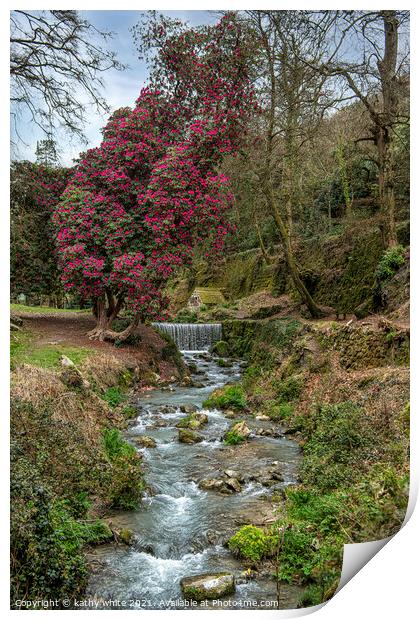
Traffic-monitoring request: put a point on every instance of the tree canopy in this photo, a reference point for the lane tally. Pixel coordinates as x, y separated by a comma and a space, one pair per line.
138, 204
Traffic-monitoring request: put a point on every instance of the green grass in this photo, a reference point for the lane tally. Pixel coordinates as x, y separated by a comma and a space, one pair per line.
230, 396
232, 438
114, 396
24, 350
17, 308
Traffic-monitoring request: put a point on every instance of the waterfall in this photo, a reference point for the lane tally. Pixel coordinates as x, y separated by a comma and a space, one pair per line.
192, 336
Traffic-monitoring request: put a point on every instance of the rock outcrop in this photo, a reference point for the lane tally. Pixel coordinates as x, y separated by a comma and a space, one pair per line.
207, 586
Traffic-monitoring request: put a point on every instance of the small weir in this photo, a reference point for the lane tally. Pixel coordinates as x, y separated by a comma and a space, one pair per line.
192, 336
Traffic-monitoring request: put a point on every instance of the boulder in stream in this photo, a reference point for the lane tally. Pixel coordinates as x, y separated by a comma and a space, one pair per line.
188, 408
207, 586
145, 441
225, 485
193, 421
126, 536
234, 484
237, 433
186, 435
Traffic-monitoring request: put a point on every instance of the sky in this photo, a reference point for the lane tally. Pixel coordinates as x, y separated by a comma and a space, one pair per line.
121, 87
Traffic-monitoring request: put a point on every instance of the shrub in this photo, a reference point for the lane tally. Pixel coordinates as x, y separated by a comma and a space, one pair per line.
297, 554
129, 411
185, 315
390, 262
252, 543
220, 348
125, 477
230, 396
46, 548
339, 441
171, 353
232, 438
251, 375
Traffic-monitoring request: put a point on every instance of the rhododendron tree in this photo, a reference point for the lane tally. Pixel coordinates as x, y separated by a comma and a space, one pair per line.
137, 205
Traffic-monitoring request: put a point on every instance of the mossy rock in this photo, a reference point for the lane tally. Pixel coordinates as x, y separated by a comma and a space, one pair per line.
238, 433
220, 348
366, 348
125, 536
145, 441
208, 586
193, 421
185, 435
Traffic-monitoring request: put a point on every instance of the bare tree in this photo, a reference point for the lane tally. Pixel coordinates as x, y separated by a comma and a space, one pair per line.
365, 52
293, 99
56, 60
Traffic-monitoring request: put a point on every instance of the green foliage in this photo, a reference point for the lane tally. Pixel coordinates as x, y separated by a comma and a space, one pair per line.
125, 477
47, 558
288, 389
34, 191
220, 348
338, 441
312, 595
129, 412
185, 315
171, 353
114, 396
259, 342
390, 262
228, 397
251, 375
297, 554
232, 438
53, 472
18, 308
355, 489
283, 411
115, 444
252, 544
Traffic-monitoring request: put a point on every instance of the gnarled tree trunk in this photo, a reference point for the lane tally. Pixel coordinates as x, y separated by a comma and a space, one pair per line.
105, 310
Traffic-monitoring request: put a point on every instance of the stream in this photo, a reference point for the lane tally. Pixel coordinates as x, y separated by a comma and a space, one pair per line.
179, 528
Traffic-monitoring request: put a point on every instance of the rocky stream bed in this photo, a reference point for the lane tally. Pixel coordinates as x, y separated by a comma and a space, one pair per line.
198, 495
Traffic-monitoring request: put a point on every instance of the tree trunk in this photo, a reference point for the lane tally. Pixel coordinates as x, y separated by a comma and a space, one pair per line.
313, 308
104, 318
386, 190
260, 239
267, 184
384, 136
345, 185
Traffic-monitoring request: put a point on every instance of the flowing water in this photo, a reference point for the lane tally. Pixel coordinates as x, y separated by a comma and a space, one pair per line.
179, 528
192, 336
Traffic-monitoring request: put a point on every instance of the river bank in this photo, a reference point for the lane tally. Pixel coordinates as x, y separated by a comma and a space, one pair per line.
70, 401
256, 506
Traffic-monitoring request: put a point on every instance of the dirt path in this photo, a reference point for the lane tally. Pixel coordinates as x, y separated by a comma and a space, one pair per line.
70, 328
